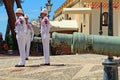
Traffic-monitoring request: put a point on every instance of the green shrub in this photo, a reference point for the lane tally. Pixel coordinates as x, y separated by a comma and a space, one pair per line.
9, 41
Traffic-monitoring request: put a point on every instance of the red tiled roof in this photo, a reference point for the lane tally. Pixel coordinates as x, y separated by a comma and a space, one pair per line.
96, 5
89, 1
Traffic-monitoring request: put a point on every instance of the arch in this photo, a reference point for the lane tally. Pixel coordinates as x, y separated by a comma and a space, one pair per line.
105, 19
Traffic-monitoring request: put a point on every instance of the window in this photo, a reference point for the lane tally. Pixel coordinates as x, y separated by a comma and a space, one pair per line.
105, 19
69, 18
66, 17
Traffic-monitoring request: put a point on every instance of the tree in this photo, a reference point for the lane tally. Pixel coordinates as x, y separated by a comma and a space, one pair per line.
11, 15
18, 3
11, 18
9, 6
8, 26
1, 2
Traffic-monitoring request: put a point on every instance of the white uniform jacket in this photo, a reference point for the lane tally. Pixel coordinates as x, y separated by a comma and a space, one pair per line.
21, 28
45, 27
30, 31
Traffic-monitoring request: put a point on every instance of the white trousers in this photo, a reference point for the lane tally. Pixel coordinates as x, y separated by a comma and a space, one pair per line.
28, 43
46, 50
21, 46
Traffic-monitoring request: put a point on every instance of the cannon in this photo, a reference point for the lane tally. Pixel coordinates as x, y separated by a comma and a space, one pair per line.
96, 44
81, 43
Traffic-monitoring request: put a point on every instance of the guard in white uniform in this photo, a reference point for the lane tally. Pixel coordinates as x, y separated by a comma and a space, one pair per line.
29, 36
21, 31
45, 27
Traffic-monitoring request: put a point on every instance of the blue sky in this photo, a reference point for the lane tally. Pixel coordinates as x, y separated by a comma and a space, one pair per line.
30, 7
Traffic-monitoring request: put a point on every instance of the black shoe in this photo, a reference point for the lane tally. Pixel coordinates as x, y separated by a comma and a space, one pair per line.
46, 64
26, 59
19, 65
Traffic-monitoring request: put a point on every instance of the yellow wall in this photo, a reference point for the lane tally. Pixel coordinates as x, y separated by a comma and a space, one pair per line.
96, 23
115, 23
83, 20
90, 23
86, 24
119, 22
61, 16
77, 17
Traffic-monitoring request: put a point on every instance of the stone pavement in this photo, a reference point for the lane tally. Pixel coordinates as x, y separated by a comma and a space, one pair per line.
63, 67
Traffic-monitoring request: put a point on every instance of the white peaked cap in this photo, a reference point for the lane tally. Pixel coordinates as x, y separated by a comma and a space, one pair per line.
44, 11
25, 16
19, 10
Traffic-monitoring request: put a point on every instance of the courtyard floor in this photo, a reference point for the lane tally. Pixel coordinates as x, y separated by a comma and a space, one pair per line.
63, 67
